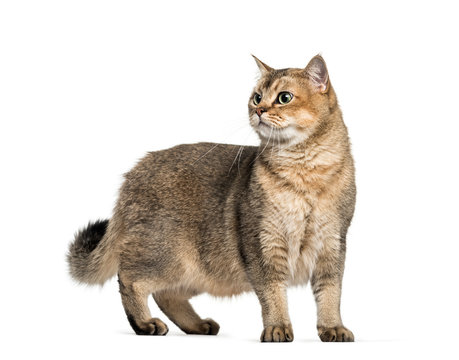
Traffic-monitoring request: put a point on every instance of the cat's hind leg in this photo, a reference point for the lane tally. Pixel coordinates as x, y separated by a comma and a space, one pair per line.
179, 310
134, 296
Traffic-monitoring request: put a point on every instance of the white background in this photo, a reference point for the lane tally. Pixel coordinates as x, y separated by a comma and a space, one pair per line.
87, 87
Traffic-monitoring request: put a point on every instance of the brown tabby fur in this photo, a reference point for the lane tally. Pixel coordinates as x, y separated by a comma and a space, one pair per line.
188, 221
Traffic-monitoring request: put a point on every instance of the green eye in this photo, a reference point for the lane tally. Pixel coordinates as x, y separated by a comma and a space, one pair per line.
284, 97
256, 99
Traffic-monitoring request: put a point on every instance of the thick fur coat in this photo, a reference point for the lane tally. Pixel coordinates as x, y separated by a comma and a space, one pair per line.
188, 221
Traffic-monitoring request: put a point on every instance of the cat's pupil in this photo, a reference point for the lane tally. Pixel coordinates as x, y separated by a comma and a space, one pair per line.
285, 97
257, 99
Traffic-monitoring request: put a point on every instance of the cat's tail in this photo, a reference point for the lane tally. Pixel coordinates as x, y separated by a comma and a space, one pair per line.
92, 255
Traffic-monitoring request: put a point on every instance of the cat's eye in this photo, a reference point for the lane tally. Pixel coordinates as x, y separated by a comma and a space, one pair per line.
284, 97
256, 99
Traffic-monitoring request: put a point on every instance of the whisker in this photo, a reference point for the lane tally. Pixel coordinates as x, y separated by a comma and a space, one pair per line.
240, 154
239, 161
272, 150
208, 151
237, 154
213, 147
278, 145
267, 142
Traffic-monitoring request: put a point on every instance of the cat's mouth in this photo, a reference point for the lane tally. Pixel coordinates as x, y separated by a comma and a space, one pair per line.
269, 130
263, 123
274, 131
270, 125
265, 129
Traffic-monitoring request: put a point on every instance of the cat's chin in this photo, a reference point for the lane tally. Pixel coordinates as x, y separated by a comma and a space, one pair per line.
288, 135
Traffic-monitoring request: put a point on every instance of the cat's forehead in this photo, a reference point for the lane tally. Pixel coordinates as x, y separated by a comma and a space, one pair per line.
280, 79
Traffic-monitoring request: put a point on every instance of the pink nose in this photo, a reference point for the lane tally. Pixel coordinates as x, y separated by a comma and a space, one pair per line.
260, 111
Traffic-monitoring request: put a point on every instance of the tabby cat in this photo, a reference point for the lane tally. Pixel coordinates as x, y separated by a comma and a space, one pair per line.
188, 220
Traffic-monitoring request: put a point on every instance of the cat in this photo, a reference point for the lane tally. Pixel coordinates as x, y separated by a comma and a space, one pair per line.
188, 222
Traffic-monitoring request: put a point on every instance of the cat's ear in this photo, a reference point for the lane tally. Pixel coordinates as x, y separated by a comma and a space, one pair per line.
317, 73
264, 69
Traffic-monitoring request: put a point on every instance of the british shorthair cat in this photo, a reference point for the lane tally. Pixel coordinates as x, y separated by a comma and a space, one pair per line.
189, 222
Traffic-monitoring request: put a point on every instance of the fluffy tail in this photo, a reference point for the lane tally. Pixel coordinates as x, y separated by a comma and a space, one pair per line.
92, 257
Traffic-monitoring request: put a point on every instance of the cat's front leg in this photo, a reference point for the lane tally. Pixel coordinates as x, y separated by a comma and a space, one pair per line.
266, 259
326, 286
276, 321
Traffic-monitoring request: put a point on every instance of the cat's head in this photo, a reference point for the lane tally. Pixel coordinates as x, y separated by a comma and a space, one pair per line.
289, 105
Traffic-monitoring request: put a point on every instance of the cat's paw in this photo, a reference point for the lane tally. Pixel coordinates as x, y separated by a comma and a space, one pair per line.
153, 326
281, 333
205, 327
337, 334
209, 327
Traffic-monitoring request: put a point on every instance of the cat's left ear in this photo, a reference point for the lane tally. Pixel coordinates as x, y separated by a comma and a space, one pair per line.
264, 69
317, 73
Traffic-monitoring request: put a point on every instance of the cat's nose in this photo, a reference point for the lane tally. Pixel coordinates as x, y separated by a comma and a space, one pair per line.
260, 111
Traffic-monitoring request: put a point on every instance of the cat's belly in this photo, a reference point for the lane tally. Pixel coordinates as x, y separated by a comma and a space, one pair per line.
227, 290
229, 280
214, 287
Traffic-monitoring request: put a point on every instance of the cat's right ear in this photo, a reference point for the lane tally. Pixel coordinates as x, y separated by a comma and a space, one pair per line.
264, 69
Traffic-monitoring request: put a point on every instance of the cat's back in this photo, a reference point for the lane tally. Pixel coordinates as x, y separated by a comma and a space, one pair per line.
186, 173
205, 160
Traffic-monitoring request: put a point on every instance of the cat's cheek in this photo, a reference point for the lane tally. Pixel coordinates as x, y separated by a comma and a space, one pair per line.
303, 119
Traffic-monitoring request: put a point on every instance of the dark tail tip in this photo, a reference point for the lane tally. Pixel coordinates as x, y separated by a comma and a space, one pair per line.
89, 255
87, 239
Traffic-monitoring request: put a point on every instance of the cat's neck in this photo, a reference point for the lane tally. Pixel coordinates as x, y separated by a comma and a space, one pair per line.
313, 161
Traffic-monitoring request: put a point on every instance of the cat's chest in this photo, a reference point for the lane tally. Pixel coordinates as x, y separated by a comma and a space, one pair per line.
296, 226
289, 212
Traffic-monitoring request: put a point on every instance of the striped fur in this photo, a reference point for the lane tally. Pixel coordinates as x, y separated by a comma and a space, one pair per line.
187, 221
